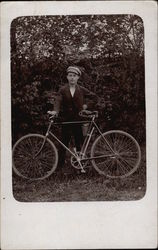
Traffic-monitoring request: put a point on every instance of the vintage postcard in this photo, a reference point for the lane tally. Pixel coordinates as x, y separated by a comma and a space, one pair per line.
78, 124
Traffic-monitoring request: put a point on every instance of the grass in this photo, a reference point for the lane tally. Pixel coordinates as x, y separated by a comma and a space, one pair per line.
69, 185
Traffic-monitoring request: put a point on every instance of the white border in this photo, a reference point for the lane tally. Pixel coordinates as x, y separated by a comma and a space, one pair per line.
80, 225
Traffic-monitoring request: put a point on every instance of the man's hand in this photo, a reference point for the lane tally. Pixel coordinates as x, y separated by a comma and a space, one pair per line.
53, 113
87, 112
84, 106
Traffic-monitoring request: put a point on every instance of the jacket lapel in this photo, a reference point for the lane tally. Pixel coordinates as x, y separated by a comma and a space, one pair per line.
77, 92
78, 98
67, 91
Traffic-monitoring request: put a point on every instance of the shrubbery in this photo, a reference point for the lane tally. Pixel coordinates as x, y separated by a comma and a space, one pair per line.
111, 61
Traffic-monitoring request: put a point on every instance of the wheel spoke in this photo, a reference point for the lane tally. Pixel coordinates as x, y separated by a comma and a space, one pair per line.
126, 158
126, 163
126, 146
124, 169
28, 164
104, 162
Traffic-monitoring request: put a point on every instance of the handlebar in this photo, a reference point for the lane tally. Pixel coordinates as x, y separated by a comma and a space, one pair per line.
88, 113
82, 113
51, 116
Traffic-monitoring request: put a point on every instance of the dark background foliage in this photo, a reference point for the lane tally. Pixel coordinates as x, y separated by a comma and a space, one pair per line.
109, 49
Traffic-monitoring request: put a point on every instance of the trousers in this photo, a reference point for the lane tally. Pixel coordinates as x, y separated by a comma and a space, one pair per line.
67, 131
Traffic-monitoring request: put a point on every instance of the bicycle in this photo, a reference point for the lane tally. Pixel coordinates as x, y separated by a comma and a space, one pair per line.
114, 154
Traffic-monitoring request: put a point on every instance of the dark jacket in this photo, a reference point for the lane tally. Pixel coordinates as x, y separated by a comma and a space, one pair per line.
68, 106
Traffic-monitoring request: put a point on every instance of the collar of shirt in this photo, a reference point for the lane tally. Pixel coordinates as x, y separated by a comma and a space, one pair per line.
72, 90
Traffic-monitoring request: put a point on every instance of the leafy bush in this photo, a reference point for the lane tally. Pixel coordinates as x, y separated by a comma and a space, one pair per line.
108, 49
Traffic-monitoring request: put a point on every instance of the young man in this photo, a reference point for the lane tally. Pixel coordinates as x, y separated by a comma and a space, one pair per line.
70, 102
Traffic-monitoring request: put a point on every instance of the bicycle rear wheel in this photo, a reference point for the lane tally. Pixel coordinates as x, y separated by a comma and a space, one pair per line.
118, 154
30, 164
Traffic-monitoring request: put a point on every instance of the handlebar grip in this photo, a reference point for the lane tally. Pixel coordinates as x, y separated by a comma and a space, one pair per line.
87, 113
52, 116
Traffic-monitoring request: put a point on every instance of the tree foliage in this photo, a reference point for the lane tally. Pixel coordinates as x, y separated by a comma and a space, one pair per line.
109, 49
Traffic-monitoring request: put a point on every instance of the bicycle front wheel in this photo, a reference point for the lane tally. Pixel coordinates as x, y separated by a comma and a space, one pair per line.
116, 154
30, 161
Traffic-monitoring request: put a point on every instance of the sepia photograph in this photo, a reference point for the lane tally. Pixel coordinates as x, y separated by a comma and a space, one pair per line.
78, 125
78, 108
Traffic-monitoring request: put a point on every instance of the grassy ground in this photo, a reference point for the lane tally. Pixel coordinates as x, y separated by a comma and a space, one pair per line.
69, 185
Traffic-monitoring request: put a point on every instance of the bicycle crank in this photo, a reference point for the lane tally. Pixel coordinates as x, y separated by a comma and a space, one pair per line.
76, 163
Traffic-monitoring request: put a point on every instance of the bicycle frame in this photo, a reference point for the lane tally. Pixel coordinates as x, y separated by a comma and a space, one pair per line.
79, 157
118, 151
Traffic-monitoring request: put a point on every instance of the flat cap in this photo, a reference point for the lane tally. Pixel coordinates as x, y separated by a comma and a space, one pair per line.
74, 69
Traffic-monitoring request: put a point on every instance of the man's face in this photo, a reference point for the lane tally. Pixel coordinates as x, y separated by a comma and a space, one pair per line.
72, 78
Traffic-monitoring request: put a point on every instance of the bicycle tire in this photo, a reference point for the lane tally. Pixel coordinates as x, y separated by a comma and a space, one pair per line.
26, 164
127, 155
